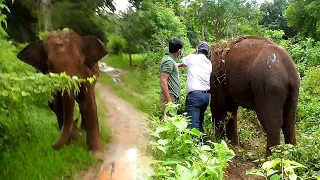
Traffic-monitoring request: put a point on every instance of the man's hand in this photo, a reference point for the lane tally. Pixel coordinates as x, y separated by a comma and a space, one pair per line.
180, 65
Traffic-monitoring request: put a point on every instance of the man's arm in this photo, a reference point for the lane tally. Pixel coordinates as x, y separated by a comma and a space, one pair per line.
164, 86
181, 65
185, 61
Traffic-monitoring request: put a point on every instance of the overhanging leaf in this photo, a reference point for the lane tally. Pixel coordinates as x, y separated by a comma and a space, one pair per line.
275, 177
183, 173
271, 171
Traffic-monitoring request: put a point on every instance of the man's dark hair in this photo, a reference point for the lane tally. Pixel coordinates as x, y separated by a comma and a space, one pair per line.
175, 44
203, 51
203, 48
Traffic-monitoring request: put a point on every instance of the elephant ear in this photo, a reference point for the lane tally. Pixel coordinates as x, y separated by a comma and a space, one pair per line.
35, 55
93, 50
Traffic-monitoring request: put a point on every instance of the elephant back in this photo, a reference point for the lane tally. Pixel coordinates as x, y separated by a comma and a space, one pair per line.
224, 51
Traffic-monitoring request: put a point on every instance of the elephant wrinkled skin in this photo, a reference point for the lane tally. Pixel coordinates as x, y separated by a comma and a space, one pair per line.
66, 51
255, 73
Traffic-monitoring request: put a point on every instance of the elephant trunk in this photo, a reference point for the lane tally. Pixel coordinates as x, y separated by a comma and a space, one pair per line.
67, 126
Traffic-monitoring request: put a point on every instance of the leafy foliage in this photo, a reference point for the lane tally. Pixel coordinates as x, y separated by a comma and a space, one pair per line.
3, 17
304, 16
278, 169
117, 43
274, 18
305, 53
179, 157
83, 17
159, 25
223, 17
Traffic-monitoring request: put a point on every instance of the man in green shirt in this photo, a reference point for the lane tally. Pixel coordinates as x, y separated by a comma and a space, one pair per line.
169, 74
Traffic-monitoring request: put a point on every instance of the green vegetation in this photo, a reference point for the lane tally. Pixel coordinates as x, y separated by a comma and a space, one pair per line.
179, 157
278, 169
117, 44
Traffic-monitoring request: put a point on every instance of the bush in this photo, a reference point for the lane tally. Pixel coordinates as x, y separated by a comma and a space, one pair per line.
178, 156
117, 44
305, 53
277, 169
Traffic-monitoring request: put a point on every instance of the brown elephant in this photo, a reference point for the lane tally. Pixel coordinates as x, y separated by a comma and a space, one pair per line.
255, 73
66, 51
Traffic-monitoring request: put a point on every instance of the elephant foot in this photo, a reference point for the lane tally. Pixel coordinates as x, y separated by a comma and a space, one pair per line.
234, 139
75, 134
93, 141
63, 140
235, 143
56, 146
95, 147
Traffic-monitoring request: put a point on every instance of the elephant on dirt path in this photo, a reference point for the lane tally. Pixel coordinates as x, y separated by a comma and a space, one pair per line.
66, 51
255, 73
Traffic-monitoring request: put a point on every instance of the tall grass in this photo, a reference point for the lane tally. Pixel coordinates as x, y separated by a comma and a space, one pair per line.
34, 158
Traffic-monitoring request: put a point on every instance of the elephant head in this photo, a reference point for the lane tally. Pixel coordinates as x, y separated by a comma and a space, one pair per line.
66, 51
61, 50
217, 59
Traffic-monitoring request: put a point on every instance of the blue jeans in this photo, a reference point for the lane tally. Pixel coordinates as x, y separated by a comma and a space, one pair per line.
196, 105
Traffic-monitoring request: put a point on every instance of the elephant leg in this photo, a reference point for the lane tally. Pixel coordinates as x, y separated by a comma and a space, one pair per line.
89, 114
289, 118
232, 129
68, 102
218, 116
218, 107
57, 107
270, 117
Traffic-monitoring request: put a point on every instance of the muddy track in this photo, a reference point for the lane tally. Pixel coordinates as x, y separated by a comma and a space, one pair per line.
124, 159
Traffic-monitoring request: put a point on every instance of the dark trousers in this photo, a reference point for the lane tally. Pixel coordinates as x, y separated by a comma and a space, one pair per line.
196, 105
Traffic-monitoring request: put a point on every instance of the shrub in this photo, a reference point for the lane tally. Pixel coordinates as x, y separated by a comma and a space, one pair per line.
178, 156
305, 53
277, 169
117, 44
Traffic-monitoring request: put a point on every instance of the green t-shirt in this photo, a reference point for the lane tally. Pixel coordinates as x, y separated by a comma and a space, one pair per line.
169, 66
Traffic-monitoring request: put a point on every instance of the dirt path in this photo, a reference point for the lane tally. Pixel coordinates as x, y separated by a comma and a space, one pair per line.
237, 170
124, 159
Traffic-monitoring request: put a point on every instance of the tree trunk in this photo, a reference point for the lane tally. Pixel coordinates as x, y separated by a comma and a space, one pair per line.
45, 6
39, 13
202, 33
130, 57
